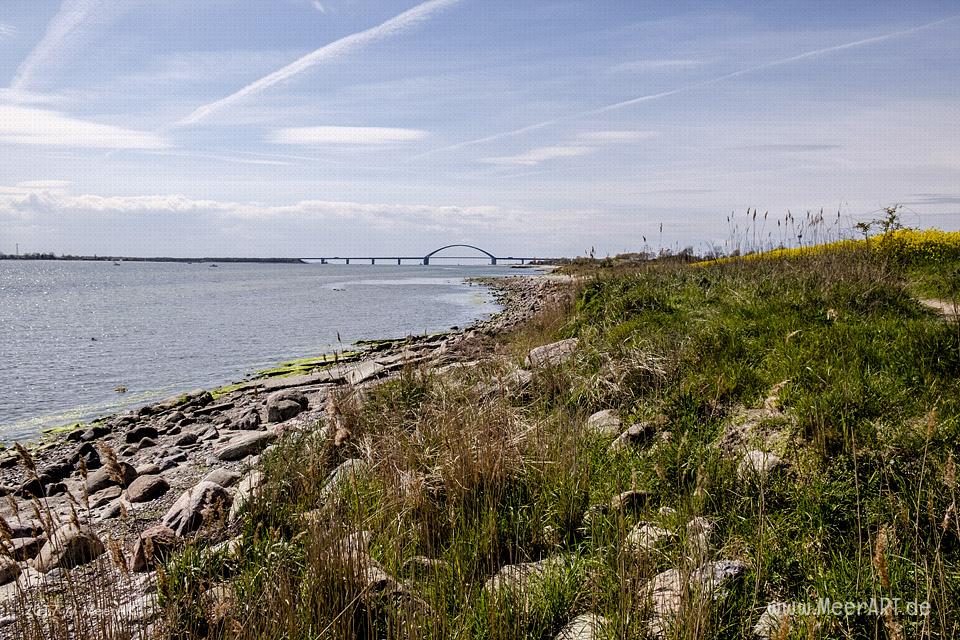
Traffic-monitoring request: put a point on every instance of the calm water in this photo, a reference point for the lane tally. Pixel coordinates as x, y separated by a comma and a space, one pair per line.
72, 332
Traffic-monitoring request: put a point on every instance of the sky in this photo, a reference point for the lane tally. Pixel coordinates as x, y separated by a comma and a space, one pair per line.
304, 128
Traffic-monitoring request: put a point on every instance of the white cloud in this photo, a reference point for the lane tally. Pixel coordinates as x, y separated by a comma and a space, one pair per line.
542, 154
6, 30
615, 137
44, 184
345, 135
327, 53
30, 126
319, 6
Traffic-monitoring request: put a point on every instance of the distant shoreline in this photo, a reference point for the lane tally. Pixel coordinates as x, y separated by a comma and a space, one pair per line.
51, 257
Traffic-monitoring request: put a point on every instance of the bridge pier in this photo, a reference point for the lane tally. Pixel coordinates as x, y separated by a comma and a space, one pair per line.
398, 262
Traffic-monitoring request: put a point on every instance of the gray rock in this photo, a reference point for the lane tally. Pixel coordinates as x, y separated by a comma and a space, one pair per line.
773, 621
635, 435
245, 492
347, 473
245, 445
699, 532
105, 477
632, 500
154, 544
646, 537
588, 626
667, 590
25, 548
248, 421
186, 440
69, 546
139, 433
147, 488
519, 579
148, 470
758, 465
104, 496
553, 354
604, 423
282, 410
222, 477
9, 570
206, 502
363, 371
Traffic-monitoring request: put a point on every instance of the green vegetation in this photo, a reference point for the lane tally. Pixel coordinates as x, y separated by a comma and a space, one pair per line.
825, 359
307, 365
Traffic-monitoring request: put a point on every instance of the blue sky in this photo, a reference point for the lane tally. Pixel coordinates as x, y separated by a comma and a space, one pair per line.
313, 127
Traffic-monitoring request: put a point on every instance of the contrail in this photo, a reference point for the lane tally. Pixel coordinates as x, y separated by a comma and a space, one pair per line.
691, 87
70, 17
347, 44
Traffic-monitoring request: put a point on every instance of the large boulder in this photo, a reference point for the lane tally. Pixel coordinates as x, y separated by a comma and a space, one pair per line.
553, 354
647, 537
107, 476
519, 579
343, 476
153, 545
668, 590
140, 432
245, 445
604, 423
204, 503
284, 405
248, 420
68, 547
223, 477
758, 465
147, 488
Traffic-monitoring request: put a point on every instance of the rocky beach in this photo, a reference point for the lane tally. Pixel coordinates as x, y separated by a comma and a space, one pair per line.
86, 512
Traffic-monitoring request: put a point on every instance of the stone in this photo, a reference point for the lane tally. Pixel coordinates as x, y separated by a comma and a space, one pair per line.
23, 528
69, 546
519, 579
666, 591
21, 549
758, 465
32, 488
139, 433
604, 423
9, 570
283, 410
201, 504
104, 477
148, 470
188, 439
553, 354
245, 445
222, 477
248, 421
699, 531
363, 371
422, 566
345, 474
633, 500
147, 488
146, 443
773, 622
55, 472
88, 454
153, 545
646, 537
588, 626
635, 435
104, 496
244, 493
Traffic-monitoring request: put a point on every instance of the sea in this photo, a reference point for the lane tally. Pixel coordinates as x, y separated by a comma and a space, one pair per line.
80, 340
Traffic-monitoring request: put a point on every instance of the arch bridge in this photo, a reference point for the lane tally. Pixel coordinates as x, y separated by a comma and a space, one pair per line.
424, 260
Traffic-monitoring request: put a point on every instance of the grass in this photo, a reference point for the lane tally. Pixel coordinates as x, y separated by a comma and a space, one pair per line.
824, 358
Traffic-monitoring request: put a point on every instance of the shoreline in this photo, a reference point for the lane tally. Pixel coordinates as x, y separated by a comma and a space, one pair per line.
171, 445
38, 428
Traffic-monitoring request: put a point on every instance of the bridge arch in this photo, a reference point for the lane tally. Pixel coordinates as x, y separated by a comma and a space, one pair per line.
493, 258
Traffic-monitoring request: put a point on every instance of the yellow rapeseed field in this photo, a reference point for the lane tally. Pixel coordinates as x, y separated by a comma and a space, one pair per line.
928, 245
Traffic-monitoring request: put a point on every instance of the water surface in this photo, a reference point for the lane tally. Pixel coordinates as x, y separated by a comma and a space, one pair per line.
72, 332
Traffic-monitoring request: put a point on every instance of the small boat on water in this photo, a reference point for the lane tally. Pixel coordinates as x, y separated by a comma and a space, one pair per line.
214, 265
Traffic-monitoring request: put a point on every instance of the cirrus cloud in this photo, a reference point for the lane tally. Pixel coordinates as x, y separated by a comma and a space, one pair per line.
30, 126
345, 135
